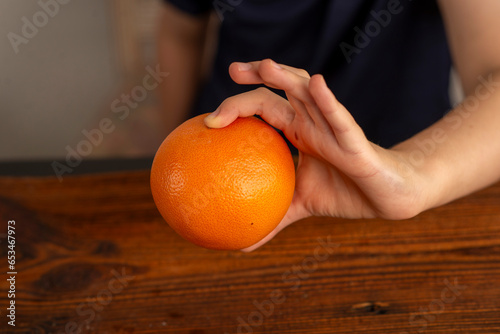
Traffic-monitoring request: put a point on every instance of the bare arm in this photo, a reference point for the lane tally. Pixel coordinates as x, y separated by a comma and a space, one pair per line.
181, 41
461, 153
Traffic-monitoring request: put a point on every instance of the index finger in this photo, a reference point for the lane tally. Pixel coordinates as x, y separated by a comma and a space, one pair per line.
274, 109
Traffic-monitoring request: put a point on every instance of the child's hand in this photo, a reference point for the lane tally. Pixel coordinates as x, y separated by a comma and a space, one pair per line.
340, 173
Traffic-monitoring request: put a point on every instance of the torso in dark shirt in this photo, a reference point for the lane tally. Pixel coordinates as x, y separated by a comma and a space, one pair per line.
387, 61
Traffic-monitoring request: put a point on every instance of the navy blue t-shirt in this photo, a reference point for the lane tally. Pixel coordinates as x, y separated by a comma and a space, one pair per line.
387, 61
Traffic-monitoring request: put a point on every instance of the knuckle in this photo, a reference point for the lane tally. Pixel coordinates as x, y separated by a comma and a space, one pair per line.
303, 73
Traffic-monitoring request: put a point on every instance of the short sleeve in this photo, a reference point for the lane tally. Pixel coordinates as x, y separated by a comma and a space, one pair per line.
194, 7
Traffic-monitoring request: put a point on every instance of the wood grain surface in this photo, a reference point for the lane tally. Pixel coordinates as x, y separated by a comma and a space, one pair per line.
93, 255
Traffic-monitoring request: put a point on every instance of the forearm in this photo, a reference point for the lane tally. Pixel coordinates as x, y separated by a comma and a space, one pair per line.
178, 92
461, 153
180, 44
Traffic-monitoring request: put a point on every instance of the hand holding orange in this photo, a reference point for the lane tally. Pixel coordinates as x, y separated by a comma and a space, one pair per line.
223, 188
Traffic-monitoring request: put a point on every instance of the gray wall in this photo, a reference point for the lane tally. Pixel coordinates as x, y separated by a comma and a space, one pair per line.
59, 81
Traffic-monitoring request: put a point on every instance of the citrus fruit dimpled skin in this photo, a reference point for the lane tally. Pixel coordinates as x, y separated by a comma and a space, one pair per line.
223, 188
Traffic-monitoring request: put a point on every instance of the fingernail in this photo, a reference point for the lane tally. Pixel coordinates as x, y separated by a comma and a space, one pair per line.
216, 112
244, 67
210, 120
276, 65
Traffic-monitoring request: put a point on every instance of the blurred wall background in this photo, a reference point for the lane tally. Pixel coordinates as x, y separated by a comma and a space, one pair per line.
62, 64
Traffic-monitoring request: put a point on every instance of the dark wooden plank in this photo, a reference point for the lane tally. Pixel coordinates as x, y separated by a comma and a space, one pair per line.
93, 252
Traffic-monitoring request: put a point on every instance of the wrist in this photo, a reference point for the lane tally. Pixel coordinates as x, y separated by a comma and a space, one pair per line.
422, 175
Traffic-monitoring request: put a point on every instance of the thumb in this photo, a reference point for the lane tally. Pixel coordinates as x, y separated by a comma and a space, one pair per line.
267, 238
293, 214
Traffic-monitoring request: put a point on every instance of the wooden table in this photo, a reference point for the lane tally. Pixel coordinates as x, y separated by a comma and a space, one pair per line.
93, 255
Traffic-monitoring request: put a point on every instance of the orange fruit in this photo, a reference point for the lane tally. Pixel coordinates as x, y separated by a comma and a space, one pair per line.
223, 188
